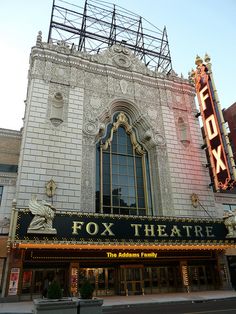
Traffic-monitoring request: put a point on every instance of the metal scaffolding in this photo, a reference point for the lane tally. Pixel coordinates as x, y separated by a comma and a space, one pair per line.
98, 25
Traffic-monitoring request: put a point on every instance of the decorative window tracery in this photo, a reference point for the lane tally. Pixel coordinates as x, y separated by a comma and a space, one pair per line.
123, 179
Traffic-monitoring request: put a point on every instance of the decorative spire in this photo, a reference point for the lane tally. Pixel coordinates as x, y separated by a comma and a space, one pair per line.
207, 58
191, 75
39, 39
198, 60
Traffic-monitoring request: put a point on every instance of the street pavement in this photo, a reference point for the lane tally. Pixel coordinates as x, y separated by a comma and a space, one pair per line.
26, 307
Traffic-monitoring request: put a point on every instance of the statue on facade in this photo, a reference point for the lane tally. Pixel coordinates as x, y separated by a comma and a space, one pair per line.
43, 213
230, 223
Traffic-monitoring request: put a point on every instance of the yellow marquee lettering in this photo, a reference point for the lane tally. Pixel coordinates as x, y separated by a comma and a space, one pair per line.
175, 231
209, 231
111, 255
149, 230
161, 231
136, 229
107, 229
90, 226
188, 228
77, 225
198, 231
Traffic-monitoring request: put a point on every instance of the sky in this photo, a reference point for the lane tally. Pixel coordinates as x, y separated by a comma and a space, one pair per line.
193, 27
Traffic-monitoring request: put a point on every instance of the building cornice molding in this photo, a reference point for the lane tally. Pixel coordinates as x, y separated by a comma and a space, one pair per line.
10, 133
100, 65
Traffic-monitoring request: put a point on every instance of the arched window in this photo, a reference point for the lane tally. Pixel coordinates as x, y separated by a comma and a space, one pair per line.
122, 176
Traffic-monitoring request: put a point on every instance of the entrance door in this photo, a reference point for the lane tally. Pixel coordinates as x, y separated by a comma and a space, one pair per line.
132, 281
36, 281
198, 278
102, 279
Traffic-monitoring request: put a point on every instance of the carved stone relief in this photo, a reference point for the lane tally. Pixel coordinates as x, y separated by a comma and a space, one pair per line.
61, 74
182, 127
88, 175
48, 71
123, 86
37, 68
178, 101
163, 185
7, 180
58, 100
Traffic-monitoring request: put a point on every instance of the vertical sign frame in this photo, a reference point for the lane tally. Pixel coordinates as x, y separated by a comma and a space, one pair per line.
217, 142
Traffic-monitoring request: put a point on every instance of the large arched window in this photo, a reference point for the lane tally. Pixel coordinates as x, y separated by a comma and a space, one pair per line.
122, 176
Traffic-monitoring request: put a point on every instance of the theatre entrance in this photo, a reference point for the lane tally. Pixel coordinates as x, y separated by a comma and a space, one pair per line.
36, 281
146, 280
131, 280
102, 279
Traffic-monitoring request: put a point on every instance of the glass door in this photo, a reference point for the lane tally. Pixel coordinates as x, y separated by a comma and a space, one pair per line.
197, 278
37, 281
132, 281
102, 279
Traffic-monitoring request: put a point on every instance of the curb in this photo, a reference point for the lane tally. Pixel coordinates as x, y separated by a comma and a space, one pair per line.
107, 307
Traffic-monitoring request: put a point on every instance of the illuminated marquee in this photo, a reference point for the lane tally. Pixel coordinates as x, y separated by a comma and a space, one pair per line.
212, 128
90, 228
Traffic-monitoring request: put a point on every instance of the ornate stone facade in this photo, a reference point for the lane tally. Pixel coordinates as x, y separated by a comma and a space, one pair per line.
73, 97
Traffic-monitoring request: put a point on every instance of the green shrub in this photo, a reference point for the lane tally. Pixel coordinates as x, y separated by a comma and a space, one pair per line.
54, 290
86, 290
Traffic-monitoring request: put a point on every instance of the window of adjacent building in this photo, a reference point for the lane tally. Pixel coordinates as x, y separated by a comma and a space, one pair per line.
228, 207
1, 192
123, 180
8, 168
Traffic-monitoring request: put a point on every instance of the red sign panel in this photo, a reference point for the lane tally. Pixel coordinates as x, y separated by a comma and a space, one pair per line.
211, 123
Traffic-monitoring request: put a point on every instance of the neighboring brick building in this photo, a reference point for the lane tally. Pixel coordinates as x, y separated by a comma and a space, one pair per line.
10, 142
230, 117
115, 148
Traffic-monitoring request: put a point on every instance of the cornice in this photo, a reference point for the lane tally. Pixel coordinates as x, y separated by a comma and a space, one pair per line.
10, 133
100, 65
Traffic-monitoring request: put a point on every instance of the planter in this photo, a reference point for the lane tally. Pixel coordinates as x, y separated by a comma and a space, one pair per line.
90, 306
57, 306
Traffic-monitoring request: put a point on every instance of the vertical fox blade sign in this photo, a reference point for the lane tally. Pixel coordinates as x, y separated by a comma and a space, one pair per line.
219, 149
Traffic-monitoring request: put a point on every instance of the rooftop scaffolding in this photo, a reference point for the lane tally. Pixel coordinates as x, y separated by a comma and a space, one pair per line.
98, 25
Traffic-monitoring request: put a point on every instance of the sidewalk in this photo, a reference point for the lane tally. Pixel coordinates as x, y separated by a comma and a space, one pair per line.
27, 307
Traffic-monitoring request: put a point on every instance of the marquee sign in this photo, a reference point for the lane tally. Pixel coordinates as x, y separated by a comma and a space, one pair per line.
97, 228
216, 142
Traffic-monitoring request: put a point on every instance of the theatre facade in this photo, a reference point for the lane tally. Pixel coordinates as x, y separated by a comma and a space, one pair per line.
112, 183
121, 255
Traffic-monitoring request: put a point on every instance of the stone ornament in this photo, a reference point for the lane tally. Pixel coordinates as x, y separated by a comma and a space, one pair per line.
43, 217
5, 222
122, 56
123, 86
230, 223
194, 200
56, 116
50, 188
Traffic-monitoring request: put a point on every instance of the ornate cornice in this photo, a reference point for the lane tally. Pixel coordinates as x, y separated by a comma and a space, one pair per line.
107, 64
